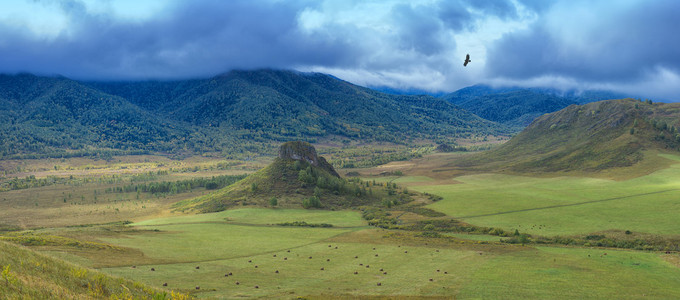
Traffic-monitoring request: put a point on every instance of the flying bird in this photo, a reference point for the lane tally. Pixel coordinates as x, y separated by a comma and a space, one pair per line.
467, 60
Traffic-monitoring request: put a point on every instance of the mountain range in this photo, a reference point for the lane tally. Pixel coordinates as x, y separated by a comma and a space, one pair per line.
517, 107
252, 112
236, 112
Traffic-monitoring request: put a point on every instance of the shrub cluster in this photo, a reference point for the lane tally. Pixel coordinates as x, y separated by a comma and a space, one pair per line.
180, 186
305, 224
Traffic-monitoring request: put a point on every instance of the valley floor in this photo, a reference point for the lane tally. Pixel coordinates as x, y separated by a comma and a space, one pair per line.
250, 252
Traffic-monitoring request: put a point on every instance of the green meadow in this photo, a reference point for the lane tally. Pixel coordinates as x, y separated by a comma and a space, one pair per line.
211, 237
282, 262
257, 216
564, 205
248, 252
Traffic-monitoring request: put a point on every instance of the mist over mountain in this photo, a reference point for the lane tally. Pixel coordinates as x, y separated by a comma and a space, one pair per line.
517, 107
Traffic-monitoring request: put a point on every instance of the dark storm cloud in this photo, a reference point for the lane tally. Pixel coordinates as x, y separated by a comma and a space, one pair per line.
454, 15
417, 30
627, 45
500, 8
205, 37
196, 38
614, 45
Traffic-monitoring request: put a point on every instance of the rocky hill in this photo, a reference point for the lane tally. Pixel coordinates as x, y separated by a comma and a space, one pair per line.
298, 177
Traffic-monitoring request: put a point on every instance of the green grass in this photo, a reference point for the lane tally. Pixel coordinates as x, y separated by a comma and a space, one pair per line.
475, 237
224, 242
200, 242
474, 270
564, 205
399, 179
568, 273
25, 274
265, 216
407, 273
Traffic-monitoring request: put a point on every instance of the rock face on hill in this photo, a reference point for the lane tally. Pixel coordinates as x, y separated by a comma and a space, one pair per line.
303, 151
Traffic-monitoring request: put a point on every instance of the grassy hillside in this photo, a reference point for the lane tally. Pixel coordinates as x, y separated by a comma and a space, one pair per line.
25, 274
297, 178
587, 138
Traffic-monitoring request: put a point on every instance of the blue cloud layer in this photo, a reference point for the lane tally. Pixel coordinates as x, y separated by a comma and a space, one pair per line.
629, 45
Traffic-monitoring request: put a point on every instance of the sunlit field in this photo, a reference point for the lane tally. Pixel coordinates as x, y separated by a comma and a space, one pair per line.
564, 205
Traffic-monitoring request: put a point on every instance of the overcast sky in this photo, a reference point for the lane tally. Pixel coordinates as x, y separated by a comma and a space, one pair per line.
623, 45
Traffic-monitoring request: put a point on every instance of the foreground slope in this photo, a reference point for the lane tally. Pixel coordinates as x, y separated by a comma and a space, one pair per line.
30, 275
591, 137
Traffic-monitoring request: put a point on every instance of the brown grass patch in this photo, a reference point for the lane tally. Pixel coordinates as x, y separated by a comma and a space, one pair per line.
674, 259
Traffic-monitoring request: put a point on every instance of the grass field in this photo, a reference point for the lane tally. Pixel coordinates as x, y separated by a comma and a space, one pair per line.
564, 205
259, 216
236, 241
81, 195
569, 273
211, 238
254, 253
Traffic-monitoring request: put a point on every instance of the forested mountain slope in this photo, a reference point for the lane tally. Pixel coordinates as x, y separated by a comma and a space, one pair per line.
236, 112
280, 105
44, 116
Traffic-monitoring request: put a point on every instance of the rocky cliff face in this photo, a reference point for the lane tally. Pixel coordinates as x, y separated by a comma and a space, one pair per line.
304, 151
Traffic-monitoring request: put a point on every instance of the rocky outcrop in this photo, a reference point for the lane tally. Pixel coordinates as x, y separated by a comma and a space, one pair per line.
304, 151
